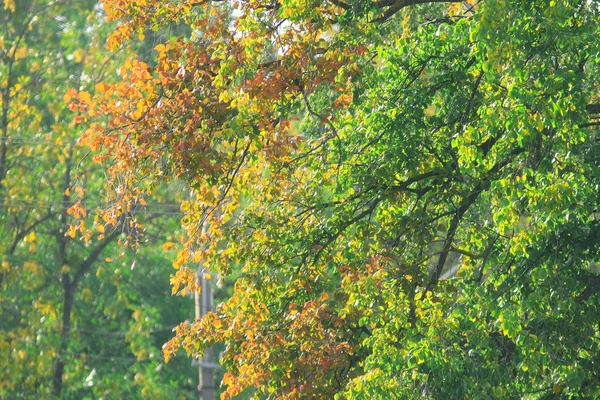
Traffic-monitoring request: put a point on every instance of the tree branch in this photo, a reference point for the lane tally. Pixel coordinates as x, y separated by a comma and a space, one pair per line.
26, 230
590, 289
593, 108
92, 257
397, 5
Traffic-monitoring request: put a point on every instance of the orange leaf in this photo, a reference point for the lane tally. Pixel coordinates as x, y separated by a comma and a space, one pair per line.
101, 87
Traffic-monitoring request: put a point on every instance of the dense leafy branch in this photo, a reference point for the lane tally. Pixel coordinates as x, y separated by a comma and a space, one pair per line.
359, 155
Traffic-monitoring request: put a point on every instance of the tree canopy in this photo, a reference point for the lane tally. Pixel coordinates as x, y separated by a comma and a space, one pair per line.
406, 191
80, 317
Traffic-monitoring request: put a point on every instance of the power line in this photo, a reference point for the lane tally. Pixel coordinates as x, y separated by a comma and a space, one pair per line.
33, 140
56, 205
122, 333
94, 203
112, 333
43, 142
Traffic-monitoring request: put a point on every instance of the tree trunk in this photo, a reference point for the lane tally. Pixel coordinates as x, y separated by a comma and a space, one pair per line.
64, 334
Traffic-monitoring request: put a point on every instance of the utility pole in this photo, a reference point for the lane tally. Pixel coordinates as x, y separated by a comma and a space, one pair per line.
204, 303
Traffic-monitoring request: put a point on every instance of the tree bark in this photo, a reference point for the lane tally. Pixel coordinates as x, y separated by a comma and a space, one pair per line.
69, 292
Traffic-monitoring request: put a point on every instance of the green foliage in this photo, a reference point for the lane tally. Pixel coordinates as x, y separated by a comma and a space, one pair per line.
407, 193
81, 317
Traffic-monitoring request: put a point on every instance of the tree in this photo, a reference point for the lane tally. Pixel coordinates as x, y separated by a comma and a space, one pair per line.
80, 317
348, 156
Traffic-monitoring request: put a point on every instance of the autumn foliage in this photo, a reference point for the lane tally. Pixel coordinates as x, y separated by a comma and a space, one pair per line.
348, 158
80, 315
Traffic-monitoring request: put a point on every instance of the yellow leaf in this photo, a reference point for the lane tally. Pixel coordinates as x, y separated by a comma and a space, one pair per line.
101, 87
30, 266
108, 259
78, 55
430, 111
86, 294
455, 9
72, 231
224, 97
100, 228
85, 97
228, 378
168, 246
31, 237
21, 52
10, 5
67, 192
137, 114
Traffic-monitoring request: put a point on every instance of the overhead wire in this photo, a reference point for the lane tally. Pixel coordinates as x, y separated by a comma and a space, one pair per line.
122, 333
29, 204
49, 207
160, 208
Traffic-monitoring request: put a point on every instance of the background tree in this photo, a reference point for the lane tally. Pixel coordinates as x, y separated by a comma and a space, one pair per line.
346, 157
81, 316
